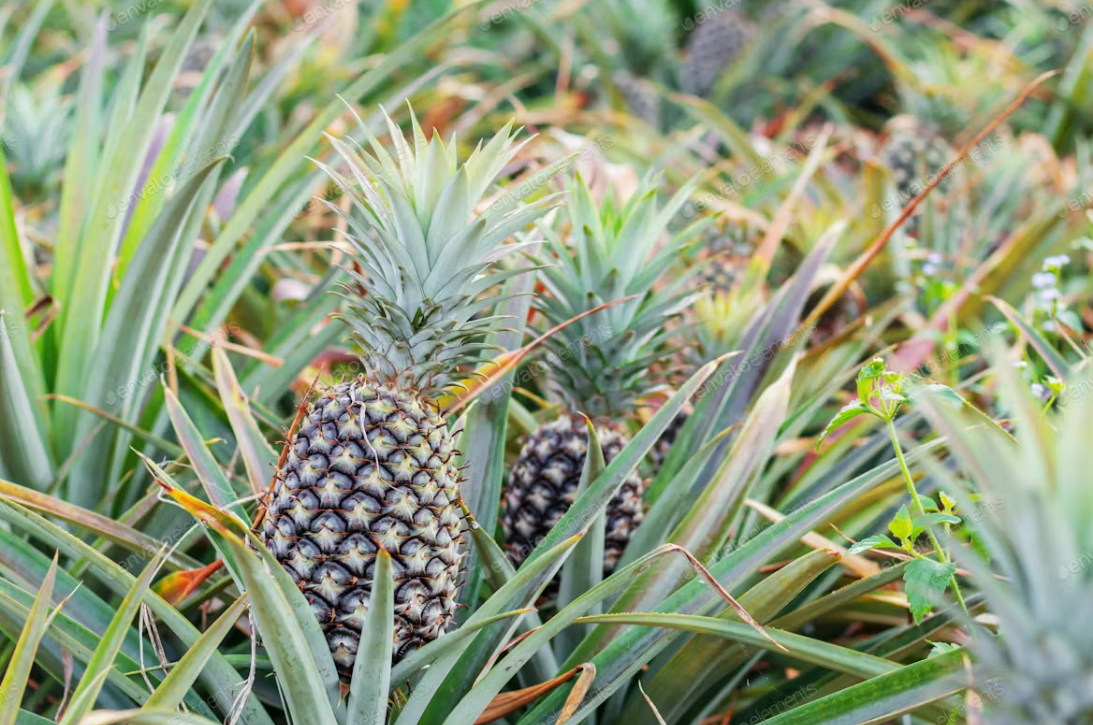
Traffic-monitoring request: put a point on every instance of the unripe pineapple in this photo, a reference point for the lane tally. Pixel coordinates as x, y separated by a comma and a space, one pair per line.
716, 40
914, 151
601, 364
373, 464
544, 482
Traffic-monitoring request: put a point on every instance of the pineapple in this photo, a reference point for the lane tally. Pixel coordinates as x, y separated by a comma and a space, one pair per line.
914, 151
601, 364
713, 44
373, 464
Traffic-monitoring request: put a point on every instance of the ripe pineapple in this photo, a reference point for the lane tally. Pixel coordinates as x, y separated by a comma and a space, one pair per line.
601, 364
373, 464
728, 254
713, 44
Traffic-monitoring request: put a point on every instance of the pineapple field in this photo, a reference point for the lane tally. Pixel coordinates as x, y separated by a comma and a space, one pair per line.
545, 362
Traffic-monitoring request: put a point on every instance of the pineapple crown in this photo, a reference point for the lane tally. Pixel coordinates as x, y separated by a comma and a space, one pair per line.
602, 362
423, 254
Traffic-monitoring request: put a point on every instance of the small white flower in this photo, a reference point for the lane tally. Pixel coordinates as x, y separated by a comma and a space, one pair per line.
1049, 295
1042, 280
1049, 326
929, 269
934, 258
1039, 391
1056, 262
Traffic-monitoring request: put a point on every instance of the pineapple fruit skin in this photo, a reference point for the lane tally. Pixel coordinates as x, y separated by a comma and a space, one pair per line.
372, 466
543, 485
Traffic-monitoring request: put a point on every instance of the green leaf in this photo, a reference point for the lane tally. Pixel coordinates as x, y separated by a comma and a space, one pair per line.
258, 458
119, 580
941, 393
304, 691
583, 570
884, 698
879, 541
798, 647
926, 581
22, 660
848, 412
372, 669
208, 471
23, 450
902, 527
182, 676
102, 661
143, 717
1046, 350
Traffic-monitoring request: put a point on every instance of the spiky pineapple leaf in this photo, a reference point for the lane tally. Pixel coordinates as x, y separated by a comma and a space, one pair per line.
583, 571
372, 669
102, 660
182, 676
22, 659
883, 698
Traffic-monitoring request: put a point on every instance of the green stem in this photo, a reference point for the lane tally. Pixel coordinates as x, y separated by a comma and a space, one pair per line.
921, 511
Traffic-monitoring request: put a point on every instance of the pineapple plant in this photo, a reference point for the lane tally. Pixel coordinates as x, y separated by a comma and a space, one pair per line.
1027, 500
914, 150
601, 365
372, 466
712, 45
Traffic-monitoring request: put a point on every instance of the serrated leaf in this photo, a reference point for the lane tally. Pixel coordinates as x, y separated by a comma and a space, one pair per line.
901, 526
880, 541
848, 412
925, 582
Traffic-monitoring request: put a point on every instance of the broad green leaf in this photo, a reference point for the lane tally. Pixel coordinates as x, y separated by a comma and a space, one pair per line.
182, 676
926, 581
372, 669
902, 526
22, 660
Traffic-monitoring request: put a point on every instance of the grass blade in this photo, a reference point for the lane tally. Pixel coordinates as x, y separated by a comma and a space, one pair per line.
18, 670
